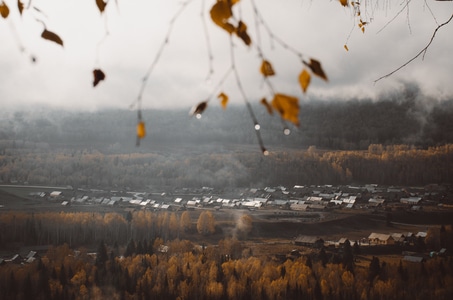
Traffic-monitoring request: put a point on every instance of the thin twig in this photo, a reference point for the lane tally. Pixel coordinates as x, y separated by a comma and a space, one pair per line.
396, 16
208, 41
247, 103
220, 83
423, 51
158, 55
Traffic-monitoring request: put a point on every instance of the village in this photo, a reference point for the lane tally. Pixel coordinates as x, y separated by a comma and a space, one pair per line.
297, 204
290, 199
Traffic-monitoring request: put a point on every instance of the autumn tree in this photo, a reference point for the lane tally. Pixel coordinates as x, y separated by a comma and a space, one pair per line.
206, 223
185, 222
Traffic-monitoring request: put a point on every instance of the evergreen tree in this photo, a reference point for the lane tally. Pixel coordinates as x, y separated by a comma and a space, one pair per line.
101, 256
12, 286
348, 257
140, 249
374, 269
130, 248
129, 217
28, 287
322, 256
62, 277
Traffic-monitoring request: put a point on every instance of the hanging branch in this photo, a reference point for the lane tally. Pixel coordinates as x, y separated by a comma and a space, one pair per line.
141, 131
208, 41
256, 125
423, 51
158, 55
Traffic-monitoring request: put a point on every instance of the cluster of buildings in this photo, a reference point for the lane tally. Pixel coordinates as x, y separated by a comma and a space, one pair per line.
297, 198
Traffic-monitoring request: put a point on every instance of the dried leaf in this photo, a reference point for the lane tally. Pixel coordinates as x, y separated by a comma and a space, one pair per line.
288, 107
4, 10
223, 100
49, 35
266, 68
315, 67
241, 32
304, 80
363, 29
141, 130
98, 76
20, 6
199, 109
344, 2
268, 106
220, 13
346, 47
101, 5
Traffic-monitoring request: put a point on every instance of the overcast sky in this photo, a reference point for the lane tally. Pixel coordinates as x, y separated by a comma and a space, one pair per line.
62, 77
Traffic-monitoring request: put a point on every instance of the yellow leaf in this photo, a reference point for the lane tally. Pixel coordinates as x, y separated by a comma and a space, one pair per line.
363, 29
344, 2
267, 105
220, 13
48, 35
304, 80
101, 5
223, 100
288, 107
346, 47
266, 68
241, 32
4, 10
20, 6
315, 67
98, 76
141, 130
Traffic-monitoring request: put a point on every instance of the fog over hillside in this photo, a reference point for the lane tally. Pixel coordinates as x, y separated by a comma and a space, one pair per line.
399, 118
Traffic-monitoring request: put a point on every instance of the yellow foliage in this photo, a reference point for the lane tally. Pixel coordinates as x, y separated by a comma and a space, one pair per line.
241, 32
141, 131
223, 100
266, 68
304, 80
4, 10
288, 107
220, 13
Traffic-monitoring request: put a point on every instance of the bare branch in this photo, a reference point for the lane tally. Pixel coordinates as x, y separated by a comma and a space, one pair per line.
423, 51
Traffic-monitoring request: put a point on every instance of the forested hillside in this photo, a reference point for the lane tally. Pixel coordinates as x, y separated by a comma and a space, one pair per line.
349, 125
181, 167
40, 146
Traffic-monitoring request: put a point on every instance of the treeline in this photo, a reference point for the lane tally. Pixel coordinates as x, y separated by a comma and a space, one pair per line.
387, 165
86, 228
210, 272
344, 125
